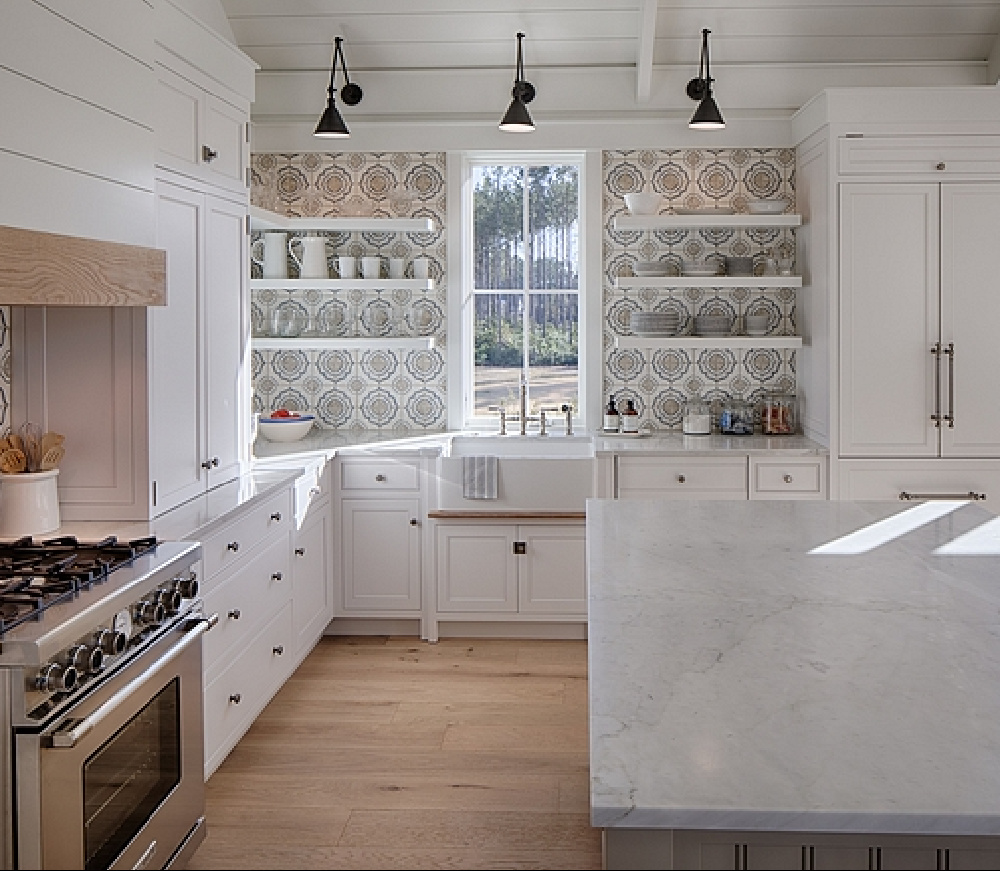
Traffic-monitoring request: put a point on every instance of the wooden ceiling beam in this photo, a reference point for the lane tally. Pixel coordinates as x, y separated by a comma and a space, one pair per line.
644, 50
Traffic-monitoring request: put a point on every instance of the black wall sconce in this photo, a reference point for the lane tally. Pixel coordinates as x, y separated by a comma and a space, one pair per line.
707, 116
517, 119
331, 124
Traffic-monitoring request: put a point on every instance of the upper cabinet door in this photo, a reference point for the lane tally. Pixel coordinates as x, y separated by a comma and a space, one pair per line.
889, 319
970, 318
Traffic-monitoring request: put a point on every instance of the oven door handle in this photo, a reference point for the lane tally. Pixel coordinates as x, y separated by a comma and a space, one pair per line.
76, 729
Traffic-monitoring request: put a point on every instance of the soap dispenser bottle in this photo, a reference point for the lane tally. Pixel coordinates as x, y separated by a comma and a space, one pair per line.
630, 418
611, 416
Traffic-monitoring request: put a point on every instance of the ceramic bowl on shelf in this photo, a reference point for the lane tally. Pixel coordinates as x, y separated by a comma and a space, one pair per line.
767, 207
651, 268
285, 429
643, 203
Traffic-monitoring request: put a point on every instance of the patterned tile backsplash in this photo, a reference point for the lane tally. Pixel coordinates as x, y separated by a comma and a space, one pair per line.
398, 387
658, 381
381, 384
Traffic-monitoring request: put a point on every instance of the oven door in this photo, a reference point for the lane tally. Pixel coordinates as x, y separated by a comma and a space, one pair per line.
118, 780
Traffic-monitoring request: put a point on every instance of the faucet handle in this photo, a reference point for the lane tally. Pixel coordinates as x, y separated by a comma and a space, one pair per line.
503, 417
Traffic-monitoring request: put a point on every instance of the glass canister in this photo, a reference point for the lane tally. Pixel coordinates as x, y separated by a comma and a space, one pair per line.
736, 418
697, 419
778, 414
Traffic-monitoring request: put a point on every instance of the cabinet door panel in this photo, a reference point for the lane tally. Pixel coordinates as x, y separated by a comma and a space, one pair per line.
970, 316
225, 134
312, 591
553, 571
889, 319
380, 550
176, 399
476, 569
226, 334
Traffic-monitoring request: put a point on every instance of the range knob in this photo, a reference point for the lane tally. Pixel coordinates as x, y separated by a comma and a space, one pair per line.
111, 641
55, 678
188, 586
170, 598
86, 660
150, 611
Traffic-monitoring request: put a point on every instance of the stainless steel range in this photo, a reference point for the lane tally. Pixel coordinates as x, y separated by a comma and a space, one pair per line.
101, 694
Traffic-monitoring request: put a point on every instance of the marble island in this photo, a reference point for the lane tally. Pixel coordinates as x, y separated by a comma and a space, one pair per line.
794, 685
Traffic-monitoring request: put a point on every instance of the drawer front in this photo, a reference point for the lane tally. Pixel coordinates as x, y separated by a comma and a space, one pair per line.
683, 478
235, 698
377, 475
250, 594
230, 544
788, 479
861, 480
936, 156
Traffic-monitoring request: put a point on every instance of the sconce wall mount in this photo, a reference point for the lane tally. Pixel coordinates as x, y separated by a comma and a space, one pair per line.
331, 123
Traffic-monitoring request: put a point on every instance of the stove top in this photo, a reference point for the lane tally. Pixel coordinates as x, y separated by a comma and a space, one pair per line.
37, 575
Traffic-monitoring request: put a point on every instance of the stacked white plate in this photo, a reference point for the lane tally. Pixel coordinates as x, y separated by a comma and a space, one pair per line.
767, 207
661, 323
649, 268
712, 325
693, 269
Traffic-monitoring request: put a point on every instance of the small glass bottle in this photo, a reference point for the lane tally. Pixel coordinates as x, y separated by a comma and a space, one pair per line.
630, 418
778, 414
697, 418
612, 419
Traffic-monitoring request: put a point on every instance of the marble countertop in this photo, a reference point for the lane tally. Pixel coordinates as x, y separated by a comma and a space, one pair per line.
794, 666
670, 442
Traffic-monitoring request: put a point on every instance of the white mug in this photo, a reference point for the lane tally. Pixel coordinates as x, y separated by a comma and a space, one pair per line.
269, 252
397, 267
312, 263
371, 267
421, 267
347, 266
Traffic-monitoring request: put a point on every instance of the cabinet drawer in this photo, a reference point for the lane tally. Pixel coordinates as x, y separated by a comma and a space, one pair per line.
244, 601
861, 480
936, 156
383, 474
682, 477
788, 479
235, 698
234, 541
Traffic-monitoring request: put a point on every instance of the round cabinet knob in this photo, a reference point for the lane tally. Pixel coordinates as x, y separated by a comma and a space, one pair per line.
277, 650
111, 642
300, 551
233, 546
681, 479
380, 477
55, 678
276, 516
414, 521
276, 576
208, 154
234, 614
787, 479
235, 698
940, 166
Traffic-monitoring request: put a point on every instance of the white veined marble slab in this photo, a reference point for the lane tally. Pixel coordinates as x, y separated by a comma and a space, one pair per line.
767, 665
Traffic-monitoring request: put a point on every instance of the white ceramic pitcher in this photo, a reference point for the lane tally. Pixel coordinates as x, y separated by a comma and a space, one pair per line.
270, 252
312, 261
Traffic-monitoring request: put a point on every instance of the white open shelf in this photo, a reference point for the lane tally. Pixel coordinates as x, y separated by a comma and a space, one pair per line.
342, 283
681, 222
627, 282
313, 343
695, 342
262, 219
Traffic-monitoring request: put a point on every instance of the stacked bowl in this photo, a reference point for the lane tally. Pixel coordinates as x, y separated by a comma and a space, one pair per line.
658, 323
647, 268
712, 325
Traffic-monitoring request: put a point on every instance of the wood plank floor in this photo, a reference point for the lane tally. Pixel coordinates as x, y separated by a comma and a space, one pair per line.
389, 752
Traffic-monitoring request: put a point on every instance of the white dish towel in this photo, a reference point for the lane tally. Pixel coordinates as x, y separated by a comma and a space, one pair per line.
479, 477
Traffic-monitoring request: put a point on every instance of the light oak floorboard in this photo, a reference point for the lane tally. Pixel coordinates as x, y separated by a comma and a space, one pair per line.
389, 752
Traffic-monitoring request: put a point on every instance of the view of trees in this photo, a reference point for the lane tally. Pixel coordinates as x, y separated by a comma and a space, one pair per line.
517, 284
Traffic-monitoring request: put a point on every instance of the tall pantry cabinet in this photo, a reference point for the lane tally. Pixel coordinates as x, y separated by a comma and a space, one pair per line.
903, 292
154, 401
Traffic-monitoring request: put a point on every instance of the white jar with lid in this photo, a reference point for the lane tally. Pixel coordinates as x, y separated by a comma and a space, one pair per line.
697, 418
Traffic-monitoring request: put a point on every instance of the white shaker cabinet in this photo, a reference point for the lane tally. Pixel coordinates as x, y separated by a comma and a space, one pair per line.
918, 320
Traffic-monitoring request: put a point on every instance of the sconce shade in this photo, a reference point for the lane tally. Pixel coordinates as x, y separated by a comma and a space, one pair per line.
516, 119
331, 123
707, 116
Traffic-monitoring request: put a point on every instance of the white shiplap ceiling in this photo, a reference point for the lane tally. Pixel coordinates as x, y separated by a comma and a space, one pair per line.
604, 59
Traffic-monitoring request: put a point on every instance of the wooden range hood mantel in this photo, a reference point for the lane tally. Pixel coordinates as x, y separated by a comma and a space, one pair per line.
39, 268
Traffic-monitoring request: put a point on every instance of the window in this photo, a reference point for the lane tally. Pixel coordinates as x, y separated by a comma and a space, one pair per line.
524, 280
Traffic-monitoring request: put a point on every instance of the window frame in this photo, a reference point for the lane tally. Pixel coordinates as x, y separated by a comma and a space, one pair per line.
462, 311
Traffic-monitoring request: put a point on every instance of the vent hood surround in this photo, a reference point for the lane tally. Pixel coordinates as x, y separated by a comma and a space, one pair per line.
38, 268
